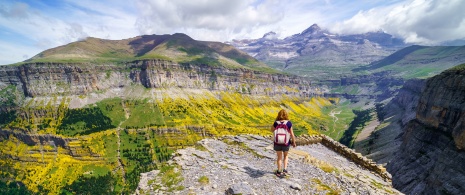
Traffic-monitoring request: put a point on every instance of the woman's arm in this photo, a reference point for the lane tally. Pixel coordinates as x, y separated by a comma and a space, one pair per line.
293, 138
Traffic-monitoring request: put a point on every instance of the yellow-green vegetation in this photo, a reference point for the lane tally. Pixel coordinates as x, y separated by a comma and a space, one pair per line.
341, 116
380, 186
326, 167
144, 131
362, 118
48, 168
204, 180
170, 178
331, 189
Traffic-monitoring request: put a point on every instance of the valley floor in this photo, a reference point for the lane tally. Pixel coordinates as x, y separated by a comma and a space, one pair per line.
245, 164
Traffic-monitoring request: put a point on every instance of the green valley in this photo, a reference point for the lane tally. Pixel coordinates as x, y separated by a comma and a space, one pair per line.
115, 140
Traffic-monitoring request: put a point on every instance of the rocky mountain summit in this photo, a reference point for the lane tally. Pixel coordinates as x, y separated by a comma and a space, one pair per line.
245, 164
316, 47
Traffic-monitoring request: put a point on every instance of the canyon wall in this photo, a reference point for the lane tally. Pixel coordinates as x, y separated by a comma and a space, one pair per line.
382, 144
45, 79
430, 159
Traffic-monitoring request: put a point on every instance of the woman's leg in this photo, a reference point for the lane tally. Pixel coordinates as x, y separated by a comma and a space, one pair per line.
279, 158
285, 160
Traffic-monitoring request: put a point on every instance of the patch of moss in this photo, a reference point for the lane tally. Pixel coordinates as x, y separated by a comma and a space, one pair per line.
204, 180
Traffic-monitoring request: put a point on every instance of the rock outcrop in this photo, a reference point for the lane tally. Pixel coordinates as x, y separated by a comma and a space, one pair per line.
244, 165
36, 139
43, 79
430, 159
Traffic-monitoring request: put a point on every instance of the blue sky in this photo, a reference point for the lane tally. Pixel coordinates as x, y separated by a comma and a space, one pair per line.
28, 27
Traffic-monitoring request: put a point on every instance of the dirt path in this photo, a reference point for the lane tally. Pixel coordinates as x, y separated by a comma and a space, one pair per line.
335, 119
333, 114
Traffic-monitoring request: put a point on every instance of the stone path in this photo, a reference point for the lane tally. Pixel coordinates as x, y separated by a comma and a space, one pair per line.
245, 165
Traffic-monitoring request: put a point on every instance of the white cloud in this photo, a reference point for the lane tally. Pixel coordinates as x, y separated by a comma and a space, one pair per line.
40, 25
47, 27
205, 18
417, 21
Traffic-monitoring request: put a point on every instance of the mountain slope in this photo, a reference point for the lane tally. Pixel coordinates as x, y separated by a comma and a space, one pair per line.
419, 61
177, 47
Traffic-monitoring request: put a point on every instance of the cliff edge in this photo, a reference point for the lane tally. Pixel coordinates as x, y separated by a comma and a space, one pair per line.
245, 164
430, 159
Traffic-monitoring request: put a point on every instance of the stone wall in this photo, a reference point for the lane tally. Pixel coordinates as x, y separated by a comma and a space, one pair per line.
344, 151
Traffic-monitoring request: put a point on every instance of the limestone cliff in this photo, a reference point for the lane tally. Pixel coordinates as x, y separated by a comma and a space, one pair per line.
385, 139
44, 79
430, 159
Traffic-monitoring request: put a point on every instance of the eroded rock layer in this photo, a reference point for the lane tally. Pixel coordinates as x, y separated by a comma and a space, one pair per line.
430, 159
43, 79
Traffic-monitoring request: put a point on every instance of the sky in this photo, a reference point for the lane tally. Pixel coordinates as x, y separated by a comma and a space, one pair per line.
28, 27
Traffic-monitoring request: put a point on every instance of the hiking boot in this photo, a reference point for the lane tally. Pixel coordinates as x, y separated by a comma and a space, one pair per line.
285, 172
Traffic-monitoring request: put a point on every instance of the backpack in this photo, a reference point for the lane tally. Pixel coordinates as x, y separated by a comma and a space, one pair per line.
281, 134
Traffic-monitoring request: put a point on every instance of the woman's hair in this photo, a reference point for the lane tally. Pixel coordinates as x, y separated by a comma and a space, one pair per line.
282, 115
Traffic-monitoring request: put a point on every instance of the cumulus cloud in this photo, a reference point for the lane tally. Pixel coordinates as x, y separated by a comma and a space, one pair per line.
206, 16
417, 21
38, 25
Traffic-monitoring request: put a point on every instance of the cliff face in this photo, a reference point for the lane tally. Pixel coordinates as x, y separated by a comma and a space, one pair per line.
407, 100
43, 79
384, 141
155, 74
430, 159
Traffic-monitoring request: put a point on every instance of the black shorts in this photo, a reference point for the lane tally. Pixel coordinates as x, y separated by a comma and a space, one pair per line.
281, 148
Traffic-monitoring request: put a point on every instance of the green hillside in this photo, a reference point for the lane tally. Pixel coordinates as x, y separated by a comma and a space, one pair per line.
178, 48
419, 61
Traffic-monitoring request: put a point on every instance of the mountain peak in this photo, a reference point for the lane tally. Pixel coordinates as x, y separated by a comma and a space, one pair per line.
312, 29
270, 35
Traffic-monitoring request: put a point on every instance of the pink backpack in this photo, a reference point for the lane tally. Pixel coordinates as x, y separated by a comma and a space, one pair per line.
281, 134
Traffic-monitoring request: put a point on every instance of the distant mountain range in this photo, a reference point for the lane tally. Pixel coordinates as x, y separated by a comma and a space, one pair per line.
317, 49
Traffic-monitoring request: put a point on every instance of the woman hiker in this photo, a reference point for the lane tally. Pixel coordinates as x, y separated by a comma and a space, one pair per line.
283, 136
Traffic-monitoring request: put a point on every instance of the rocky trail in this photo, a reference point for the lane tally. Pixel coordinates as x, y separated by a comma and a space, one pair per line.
245, 165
